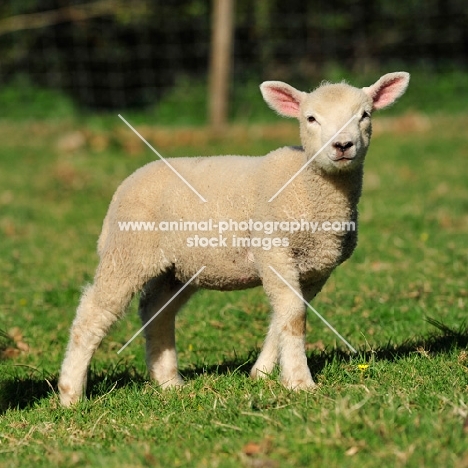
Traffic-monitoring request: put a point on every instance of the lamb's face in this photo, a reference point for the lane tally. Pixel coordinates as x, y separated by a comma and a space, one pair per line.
336, 126
335, 118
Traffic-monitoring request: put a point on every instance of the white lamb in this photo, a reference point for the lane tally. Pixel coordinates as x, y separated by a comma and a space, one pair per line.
238, 188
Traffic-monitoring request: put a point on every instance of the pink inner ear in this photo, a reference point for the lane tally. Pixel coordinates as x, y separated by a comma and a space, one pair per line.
284, 102
387, 93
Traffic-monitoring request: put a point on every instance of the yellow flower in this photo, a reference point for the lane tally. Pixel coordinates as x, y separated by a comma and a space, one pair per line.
363, 367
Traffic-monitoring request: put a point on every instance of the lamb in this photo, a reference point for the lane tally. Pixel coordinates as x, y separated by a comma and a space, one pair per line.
325, 176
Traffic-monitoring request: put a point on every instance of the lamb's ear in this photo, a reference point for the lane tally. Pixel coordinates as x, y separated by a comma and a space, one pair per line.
282, 98
388, 89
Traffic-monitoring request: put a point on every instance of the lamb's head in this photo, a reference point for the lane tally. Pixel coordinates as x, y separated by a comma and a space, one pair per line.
335, 119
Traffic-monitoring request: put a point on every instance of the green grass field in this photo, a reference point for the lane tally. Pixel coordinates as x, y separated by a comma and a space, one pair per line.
401, 401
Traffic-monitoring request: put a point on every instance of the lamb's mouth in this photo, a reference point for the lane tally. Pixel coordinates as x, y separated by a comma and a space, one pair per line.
344, 159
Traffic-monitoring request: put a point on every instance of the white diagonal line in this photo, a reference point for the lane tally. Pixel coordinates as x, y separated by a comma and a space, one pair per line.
313, 310
311, 159
162, 159
161, 309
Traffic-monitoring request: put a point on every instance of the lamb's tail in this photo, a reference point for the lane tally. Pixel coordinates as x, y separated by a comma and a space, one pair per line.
104, 235
102, 241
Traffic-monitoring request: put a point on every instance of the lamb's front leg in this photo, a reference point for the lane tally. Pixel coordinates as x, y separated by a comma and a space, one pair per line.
290, 317
268, 356
288, 327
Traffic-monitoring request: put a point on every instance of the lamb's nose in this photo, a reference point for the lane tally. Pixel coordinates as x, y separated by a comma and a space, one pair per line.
342, 146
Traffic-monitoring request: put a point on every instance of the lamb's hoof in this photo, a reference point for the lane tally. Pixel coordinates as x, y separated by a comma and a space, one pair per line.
259, 373
299, 384
174, 382
67, 396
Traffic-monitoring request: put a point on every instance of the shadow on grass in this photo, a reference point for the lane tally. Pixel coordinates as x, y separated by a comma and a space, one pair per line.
22, 392
443, 341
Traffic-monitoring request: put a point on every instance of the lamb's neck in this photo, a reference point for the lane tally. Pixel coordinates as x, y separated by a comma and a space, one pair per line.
341, 187
347, 183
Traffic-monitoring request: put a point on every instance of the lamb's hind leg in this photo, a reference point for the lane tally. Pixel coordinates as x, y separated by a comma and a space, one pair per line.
159, 318
100, 306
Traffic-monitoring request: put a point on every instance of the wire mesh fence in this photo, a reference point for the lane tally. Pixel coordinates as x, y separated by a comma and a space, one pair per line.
111, 54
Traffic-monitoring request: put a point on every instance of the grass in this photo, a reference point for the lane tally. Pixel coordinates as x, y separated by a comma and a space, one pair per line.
401, 401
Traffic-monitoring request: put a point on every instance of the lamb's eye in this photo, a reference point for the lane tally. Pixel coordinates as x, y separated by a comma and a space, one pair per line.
365, 115
311, 119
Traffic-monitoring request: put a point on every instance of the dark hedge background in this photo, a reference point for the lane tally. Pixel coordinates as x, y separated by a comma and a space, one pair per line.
130, 53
